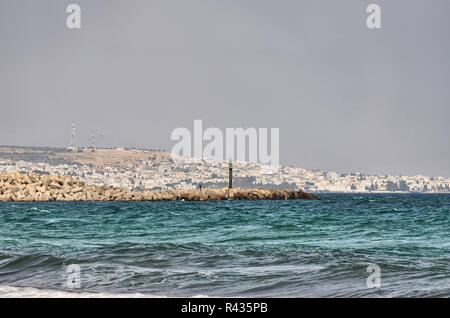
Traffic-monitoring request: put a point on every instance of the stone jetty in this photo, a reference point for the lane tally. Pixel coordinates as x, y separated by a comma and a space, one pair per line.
44, 188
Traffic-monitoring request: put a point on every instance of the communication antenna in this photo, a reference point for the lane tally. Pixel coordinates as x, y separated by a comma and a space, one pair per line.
72, 135
93, 140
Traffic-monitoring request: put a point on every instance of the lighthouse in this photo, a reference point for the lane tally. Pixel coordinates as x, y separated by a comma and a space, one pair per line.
230, 175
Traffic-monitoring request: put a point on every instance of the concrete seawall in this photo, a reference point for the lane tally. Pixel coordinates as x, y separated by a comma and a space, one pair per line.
44, 188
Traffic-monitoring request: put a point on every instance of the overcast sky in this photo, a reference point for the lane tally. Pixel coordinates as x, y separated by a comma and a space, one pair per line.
345, 98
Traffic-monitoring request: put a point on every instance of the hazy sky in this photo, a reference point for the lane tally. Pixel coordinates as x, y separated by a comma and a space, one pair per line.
346, 98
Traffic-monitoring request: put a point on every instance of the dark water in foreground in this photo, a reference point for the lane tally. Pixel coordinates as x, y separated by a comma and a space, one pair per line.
232, 248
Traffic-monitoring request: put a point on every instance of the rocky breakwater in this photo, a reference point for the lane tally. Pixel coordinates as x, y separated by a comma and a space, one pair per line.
43, 188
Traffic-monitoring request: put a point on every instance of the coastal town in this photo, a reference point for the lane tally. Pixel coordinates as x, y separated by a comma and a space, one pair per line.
151, 169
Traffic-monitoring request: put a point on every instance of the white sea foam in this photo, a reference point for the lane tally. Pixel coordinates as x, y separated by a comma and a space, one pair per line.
31, 292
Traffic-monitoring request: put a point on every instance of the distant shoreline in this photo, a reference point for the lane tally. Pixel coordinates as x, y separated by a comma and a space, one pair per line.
376, 192
140, 169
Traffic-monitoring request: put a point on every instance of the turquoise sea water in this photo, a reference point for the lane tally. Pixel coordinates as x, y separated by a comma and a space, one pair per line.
231, 248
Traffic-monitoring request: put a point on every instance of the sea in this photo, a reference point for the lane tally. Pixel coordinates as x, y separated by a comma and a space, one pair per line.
345, 245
